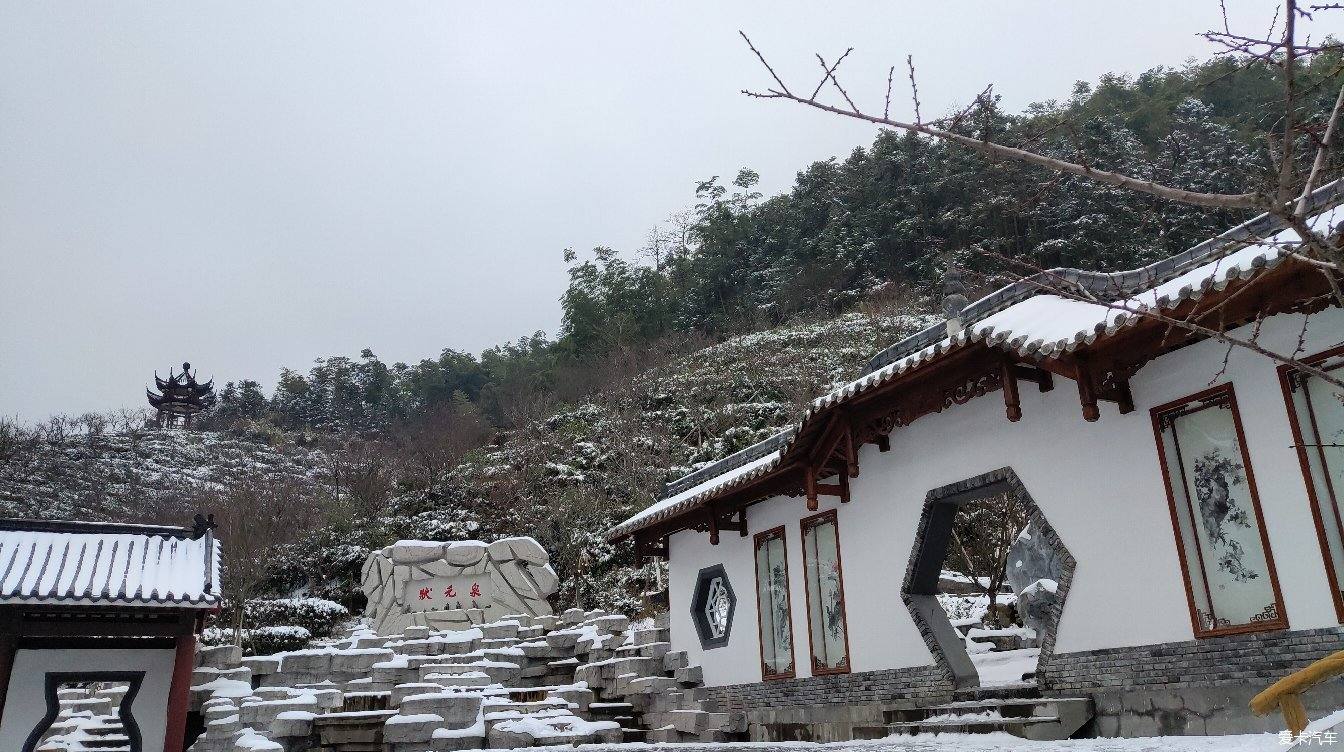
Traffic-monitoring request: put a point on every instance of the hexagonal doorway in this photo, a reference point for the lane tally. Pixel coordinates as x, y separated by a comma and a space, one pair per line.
985, 645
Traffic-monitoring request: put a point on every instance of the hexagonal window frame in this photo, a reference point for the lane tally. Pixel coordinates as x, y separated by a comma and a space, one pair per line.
704, 582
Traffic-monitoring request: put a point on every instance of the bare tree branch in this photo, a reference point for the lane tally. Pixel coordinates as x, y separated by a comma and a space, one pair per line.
1321, 152
914, 87
761, 57
829, 72
886, 106
990, 148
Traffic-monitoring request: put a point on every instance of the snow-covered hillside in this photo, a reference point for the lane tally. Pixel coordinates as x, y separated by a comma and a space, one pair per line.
563, 479
135, 475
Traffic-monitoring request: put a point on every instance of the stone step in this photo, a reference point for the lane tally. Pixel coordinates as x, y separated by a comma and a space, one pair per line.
1041, 718
607, 709
968, 725
1003, 691
650, 636
108, 742
648, 650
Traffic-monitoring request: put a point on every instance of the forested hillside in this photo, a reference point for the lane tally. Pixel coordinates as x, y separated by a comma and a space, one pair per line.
874, 227
739, 309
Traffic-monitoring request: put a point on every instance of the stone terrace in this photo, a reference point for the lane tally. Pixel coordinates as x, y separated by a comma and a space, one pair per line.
519, 682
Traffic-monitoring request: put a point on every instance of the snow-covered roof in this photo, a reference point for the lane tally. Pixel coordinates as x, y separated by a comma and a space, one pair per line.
72, 563
1026, 319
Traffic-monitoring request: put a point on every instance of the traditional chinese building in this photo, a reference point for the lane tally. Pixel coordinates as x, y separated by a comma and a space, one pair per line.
180, 398
116, 606
1190, 491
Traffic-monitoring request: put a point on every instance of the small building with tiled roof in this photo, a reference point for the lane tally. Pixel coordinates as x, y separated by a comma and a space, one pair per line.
1187, 490
102, 604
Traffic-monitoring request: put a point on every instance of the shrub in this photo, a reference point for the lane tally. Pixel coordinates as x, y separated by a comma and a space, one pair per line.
318, 617
262, 640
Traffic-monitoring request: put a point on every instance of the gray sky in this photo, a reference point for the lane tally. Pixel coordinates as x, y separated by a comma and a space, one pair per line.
254, 185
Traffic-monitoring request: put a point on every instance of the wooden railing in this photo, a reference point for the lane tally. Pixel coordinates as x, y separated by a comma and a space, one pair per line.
1286, 693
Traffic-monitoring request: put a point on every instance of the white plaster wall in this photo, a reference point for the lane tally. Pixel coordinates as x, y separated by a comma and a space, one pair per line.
1099, 484
25, 703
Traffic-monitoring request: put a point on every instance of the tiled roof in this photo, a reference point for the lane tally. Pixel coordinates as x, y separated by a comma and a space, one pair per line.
71, 563
1026, 319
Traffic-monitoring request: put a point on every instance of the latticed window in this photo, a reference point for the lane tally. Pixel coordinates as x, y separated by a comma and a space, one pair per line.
716, 608
1228, 565
772, 599
1317, 410
825, 595
712, 606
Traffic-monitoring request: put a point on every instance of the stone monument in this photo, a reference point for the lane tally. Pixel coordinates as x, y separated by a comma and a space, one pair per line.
456, 585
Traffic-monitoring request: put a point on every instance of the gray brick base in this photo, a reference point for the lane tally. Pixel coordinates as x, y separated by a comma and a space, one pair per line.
1193, 687
831, 708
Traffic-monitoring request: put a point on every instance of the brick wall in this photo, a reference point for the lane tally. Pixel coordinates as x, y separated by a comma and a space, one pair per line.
1212, 661
831, 708
888, 686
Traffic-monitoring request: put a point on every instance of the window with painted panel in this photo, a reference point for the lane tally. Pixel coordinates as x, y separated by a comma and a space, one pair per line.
825, 594
1317, 411
772, 599
1228, 565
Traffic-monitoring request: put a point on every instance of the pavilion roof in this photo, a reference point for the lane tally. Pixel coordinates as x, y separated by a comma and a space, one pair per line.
1024, 320
72, 563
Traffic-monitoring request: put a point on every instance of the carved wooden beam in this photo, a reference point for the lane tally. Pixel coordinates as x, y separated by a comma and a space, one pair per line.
713, 525
884, 442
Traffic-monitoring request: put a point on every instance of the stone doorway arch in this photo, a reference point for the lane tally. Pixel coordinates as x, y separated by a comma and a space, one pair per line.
920, 588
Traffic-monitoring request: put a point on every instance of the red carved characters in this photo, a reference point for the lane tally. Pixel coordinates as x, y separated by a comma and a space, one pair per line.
424, 594
475, 590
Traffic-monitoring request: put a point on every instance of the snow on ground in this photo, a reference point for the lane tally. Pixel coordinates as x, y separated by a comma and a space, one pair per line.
982, 743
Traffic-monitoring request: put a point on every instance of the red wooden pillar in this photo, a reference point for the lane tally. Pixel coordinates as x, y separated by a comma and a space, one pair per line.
179, 692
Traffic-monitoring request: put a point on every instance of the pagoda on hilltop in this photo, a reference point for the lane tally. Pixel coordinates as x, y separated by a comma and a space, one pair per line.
180, 397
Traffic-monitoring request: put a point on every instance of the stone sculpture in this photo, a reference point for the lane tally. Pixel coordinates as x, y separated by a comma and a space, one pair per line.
1033, 573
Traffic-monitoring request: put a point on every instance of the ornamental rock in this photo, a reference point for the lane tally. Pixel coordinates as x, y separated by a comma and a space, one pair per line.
456, 585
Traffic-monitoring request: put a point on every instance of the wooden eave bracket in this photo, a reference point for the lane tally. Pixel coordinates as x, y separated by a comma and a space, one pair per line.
718, 521
815, 488
835, 443
648, 547
1010, 373
1096, 385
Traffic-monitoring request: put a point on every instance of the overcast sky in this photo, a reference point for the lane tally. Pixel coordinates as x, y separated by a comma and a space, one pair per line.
253, 185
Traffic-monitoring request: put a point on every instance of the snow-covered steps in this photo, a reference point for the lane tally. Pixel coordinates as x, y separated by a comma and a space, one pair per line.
1038, 718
